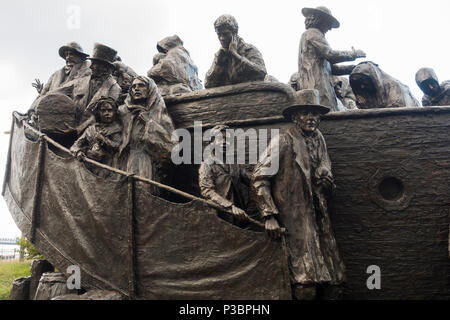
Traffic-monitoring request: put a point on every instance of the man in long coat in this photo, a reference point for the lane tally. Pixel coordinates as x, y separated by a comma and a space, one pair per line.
317, 61
87, 90
294, 197
236, 61
76, 67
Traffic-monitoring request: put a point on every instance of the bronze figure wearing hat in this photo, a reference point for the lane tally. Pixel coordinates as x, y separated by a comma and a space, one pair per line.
76, 67
295, 197
317, 61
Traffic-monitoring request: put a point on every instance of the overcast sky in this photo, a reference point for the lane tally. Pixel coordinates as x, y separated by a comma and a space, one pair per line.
401, 36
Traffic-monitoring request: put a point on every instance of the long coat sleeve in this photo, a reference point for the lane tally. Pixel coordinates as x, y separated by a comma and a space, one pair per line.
288, 193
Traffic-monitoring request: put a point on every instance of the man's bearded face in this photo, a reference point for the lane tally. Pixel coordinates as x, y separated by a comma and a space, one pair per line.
72, 58
307, 121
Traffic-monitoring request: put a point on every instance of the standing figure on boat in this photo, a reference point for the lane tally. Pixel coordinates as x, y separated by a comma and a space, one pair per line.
236, 61
295, 197
317, 61
223, 183
174, 71
76, 66
374, 88
86, 91
147, 129
344, 92
101, 140
435, 94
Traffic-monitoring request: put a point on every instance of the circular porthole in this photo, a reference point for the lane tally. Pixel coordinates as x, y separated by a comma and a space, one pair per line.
391, 189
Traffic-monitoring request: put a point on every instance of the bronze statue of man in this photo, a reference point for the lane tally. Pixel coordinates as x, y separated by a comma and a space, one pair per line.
87, 90
435, 94
76, 67
317, 61
147, 129
295, 197
222, 183
236, 61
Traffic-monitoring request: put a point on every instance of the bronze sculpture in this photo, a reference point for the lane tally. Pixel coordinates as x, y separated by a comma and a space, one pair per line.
147, 129
101, 140
173, 70
374, 88
344, 92
317, 61
236, 61
124, 75
76, 67
295, 198
435, 94
222, 183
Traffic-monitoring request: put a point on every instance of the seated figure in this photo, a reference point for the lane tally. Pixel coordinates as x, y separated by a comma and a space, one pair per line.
173, 69
101, 140
236, 61
435, 94
374, 88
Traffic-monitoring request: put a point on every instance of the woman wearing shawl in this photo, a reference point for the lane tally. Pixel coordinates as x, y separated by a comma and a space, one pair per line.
147, 129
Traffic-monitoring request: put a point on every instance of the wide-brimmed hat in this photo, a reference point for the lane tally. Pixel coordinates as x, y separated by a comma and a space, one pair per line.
72, 46
305, 100
324, 12
104, 54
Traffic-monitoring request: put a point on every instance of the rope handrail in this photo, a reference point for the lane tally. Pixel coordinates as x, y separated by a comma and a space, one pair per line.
130, 175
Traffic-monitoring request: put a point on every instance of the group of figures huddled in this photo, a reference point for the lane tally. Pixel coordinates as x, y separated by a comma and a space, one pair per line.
123, 122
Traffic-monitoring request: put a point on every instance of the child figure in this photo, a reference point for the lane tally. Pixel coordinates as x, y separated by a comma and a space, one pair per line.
101, 140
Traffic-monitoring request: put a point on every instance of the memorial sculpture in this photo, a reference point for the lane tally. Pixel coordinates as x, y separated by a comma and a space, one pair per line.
344, 92
236, 61
170, 250
317, 61
147, 129
76, 67
101, 140
124, 75
87, 90
173, 70
374, 88
435, 94
295, 197
222, 183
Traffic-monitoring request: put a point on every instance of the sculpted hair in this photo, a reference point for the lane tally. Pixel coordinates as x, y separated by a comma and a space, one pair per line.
227, 21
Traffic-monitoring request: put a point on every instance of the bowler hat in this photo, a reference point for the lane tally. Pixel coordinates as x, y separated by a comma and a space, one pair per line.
324, 12
104, 54
305, 100
72, 46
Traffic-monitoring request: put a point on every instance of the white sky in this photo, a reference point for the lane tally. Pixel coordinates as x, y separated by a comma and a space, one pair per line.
401, 36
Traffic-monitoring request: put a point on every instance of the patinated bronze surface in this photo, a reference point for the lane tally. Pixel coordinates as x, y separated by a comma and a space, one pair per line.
317, 61
236, 61
173, 70
147, 128
224, 183
435, 94
374, 88
101, 140
294, 196
344, 92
